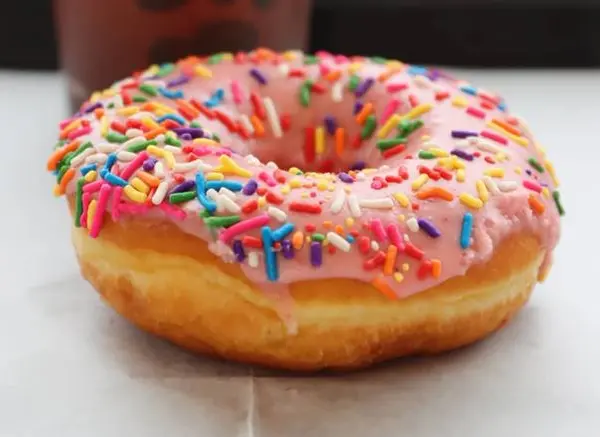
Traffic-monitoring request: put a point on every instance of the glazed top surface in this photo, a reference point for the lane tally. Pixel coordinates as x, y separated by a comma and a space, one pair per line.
304, 167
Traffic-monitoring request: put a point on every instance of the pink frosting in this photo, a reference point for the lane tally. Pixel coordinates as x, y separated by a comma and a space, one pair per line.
506, 209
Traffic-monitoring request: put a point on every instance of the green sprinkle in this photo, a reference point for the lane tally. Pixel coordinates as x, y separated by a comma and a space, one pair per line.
369, 127
77, 152
407, 127
111, 105
389, 143
185, 196
61, 172
317, 237
143, 145
115, 137
221, 222
216, 138
204, 213
378, 60
353, 82
195, 124
305, 93
148, 89
78, 202
60, 144
310, 60
425, 154
172, 141
215, 59
166, 69
139, 99
532, 162
556, 197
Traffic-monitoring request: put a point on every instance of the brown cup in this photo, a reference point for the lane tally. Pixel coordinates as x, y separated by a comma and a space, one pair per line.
101, 41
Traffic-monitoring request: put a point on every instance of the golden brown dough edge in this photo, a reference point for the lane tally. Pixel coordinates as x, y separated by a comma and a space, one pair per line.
168, 283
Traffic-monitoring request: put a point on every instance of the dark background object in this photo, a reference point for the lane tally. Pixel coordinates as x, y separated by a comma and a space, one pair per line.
526, 33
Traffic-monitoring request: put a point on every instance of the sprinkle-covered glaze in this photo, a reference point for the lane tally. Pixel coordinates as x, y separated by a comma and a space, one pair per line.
303, 167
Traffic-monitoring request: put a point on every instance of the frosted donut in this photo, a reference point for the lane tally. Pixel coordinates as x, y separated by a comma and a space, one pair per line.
307, 212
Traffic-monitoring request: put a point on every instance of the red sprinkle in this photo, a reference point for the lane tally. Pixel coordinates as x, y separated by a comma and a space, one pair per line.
489, 160
286, 122
119, 127
393, 179
393, 151
425, 268
250, 206
375, 261
364, 245
403, 172
273, 198
530, 185
494, 136
412, 251
445, 174
224, 118
395, 87
357, 142
309, 144
279, 176
475, 112
413, 100
318, 88
179, 178
257, 106
310, 208
253, 242
441, 95
310, 227
296, 72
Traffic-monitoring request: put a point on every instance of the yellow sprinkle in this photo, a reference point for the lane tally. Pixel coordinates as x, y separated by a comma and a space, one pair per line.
152, 70
109, 92
128, 110
546, 192
496, 172
402, 199
401, 218
419, 182
501, 157
295, 170
156, 151
295, 183
96, 95
104, 126
226, 56
262, 202
398, 277
460, 101
91, 176
170, 159
205, 141
164, 108
134, 194
405, 267
425, 137
330, 187
285, 189
214, 176
446, 163
229, 166
439, 153
518, 170
202, 71
457, 163
289, 55
460, 175
139, 185
91, 212
519, 140
550, 169
56, 191
418, 110
470, 201
159, 112
349, 222
148, 122
319, 140
321, 185
482, 190
388, 126
304, 195
354, 67
369, 170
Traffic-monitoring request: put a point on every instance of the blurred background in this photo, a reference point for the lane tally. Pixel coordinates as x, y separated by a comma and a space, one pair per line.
98, 41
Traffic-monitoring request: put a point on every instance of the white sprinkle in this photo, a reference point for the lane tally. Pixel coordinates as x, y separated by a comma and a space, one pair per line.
271, 165
507, 186
428, 145
184, 167
253, 259
422, 81
125, 156
374, 245
133, 141
381, 203
156, 82
245, 121
142, 114
212, 193
336, 92
132, 133
160, 193
252, 160
229, 204
78, 160
174, 150
106, 147
160, 138
273, 117
338, 201
486, 146
226, 192
412, 224
361, 176
117, 101
490, 185
159, 170
284, 69
462, 144
354, 206
384, 168
97, 158
277, 214
338, 241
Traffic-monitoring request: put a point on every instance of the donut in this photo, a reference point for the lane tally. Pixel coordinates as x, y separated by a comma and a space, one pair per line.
307, 212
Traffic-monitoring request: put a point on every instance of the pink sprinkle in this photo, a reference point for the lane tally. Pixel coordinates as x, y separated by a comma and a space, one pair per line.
114, 207
87, 198
530, 185
494, 136
236, 91
130, 208
395, 237
324, 69
92, 187
340, 59
267, 179
475, 112
220, 152
173, 211
377, 228
202, 151
244, 226
395, 87
79, 132
67, 121
100, 209
134, 165
389, 109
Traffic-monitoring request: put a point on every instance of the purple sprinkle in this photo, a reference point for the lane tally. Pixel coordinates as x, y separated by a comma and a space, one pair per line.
186, 137
287, 249
358, 105
178, 81
238, 250
184, 186
463, 134
364, 86
250, 187
429, 228
92, 107
194, 132
330, 124
149, 164
462, 154
358, 165
433, 75
260, 78
316, 254
528, 172
345, 177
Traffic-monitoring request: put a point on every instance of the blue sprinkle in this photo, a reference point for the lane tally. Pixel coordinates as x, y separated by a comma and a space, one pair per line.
282, 232
171, 94
469, 89
271, 267
230, 185
350, 239
417, 70
501, 106
215, 99
465, 233
110, 161
208, 204
87, 168
175, 117
113, 179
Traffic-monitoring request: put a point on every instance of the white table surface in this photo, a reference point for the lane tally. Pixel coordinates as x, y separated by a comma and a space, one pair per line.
70, 367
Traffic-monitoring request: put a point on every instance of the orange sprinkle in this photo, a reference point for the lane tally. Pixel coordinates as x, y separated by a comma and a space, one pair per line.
387, 74
340, 136
298, 240
69, 174
60, 154
390, 260
333, 75
436, 268
148, 106
366, 110
380, 284
69, 128
339, 229
99, 113
327, 224
149, 179
155, 132
259, 129
536, 204
507, 127
439, 192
